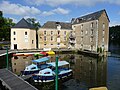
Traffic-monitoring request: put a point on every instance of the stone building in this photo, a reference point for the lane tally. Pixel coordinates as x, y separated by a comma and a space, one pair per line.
92, 31
54, 35
23, 35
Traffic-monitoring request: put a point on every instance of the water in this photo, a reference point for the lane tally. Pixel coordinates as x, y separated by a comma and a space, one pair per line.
87, 71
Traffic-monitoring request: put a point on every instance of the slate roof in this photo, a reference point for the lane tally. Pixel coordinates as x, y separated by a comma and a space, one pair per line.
54, 24
89, 17
23, 24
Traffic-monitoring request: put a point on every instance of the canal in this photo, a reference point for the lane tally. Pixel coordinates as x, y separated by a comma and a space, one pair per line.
87, 71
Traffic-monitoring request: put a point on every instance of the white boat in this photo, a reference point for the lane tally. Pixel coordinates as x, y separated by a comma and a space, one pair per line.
35, 68
48, 74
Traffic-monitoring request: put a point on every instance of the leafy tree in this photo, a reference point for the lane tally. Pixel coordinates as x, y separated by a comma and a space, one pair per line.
5, 26
36, 25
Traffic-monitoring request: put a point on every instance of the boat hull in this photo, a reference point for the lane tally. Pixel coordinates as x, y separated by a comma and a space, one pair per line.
38, 78
29, 72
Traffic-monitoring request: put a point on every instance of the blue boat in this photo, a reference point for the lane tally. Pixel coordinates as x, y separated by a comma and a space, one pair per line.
48, 74
35, 68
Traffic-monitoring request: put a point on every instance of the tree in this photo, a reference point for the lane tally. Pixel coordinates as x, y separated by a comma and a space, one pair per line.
36, 25
5, 26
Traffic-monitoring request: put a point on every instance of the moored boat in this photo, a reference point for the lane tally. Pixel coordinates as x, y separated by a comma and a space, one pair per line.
50, 52
48, 74
35, 68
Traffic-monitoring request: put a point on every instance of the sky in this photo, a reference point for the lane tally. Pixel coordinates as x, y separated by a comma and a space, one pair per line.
58, 10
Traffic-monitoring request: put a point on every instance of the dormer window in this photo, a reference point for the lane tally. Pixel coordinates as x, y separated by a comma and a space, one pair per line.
77, 20
58, 27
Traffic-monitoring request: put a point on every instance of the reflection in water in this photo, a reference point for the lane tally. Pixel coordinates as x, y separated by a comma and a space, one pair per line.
87, 71
20, 62
90, 71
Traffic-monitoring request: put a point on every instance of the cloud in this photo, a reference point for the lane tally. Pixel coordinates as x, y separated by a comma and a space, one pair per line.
18, 9
61, 11
56, 11
114, 23
72, 2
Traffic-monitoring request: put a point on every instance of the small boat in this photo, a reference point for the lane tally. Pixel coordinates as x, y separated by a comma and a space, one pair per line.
38, 54
35, 68
48, 74
23, 54
44, 53
50, 52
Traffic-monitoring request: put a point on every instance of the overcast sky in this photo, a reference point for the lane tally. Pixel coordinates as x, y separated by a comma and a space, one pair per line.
58, 10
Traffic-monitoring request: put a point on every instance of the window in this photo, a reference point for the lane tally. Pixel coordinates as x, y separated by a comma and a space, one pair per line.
51, 38
77, 20
14, 38
14, 33
14, 63
44, 38
45, 44
51, 32
25, 33
103, 33
58, 32
86, 32
81, 26
103, 39
92, 25
81, 38
33, 68
65, 38
103, 26
64, 32
51, 44
91, 31
81, 32
58, 43
91, 39
32, 41
45, 32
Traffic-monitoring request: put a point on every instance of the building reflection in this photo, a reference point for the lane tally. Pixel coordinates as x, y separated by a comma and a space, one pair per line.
90, 71
20, 62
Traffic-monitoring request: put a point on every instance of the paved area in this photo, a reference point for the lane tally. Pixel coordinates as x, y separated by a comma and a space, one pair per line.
13, 82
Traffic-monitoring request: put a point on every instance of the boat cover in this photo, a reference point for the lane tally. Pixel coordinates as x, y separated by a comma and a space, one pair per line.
60, 63
41, 60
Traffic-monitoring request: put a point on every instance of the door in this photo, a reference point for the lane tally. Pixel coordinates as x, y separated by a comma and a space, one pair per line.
15, 46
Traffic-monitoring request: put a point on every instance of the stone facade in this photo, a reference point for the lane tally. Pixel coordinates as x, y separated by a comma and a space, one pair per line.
92, 34
53, 38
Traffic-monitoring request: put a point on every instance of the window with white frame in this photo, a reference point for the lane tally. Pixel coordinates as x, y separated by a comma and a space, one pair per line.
45, 38
103, 26
32, 41
81, 26
81, 32
92, 25
65, 38
14, 33
81, 38
51, 38
25, 33
91, 31
45, 32
64, 32
58, 32
51, 32
91, 39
